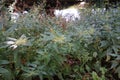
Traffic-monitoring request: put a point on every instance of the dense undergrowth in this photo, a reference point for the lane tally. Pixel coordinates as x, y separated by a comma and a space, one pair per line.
51, 49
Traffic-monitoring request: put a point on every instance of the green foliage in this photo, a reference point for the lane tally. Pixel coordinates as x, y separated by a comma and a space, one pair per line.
82, 50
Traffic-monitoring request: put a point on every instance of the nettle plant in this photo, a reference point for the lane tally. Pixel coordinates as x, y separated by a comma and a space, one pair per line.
47, 48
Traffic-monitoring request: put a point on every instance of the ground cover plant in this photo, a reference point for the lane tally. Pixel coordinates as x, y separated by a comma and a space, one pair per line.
50, 49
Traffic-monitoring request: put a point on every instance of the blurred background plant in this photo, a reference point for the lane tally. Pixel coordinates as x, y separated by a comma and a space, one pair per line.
88, 49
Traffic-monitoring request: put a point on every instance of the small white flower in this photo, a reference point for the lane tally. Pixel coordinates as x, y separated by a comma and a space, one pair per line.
14, 43
10, 42
25, 12
15, 16
10, 9
13, 46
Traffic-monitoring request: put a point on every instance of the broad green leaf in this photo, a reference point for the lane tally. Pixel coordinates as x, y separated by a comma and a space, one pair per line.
88, 68
4, 62
118, 57
3, 70
103, 43
5, 73
115, 49
114, 64
118, 71
95, 76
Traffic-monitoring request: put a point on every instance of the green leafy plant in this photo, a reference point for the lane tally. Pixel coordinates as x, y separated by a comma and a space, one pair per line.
83, 50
